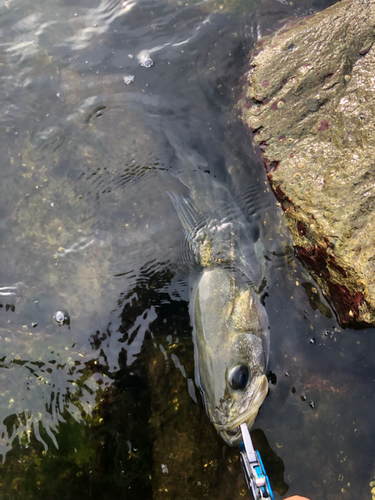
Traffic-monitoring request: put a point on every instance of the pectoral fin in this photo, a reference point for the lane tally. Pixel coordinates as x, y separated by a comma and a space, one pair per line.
187, 213
190, 218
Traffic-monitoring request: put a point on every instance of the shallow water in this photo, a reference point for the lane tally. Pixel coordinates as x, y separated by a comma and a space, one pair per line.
107, 107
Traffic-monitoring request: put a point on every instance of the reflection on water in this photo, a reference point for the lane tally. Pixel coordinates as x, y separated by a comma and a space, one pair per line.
94, 138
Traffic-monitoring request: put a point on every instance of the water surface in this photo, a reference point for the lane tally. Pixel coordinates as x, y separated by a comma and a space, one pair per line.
106, 107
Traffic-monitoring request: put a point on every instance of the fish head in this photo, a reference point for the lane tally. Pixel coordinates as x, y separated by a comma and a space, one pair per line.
231, 337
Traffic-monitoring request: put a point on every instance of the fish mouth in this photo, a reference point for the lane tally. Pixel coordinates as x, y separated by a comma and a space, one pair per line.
231, 432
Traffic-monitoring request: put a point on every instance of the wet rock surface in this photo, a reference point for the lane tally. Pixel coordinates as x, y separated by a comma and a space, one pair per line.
309, 103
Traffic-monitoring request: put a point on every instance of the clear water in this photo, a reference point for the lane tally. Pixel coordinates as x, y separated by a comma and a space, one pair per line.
106, 106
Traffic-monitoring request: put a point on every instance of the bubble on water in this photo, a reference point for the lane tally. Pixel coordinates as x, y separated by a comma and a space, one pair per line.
312, 404
130, 56
128, 79
303, 397
34, 324
145, 59
312, 341
61, 317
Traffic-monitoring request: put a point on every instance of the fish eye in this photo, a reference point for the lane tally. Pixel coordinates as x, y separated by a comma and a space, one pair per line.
239, 377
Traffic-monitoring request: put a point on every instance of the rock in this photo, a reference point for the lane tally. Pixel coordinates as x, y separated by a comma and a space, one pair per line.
309, 102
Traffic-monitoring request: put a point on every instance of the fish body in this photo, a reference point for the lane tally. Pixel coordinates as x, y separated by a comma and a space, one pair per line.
230, 324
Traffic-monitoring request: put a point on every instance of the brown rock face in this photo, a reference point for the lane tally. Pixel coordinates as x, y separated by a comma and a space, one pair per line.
309, 101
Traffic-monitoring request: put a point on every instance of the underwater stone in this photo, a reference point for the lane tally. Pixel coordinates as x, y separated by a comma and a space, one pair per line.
321, 67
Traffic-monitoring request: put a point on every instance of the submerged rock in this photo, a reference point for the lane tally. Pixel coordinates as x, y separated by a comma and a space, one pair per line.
309, 102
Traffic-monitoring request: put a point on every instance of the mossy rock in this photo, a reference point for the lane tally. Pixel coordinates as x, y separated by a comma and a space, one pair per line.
309, 103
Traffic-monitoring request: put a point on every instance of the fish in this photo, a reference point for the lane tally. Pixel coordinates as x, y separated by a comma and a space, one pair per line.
230, 324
